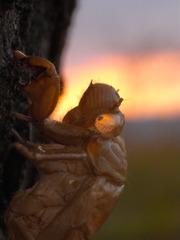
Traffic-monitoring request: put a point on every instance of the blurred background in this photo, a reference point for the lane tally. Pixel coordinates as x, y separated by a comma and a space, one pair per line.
134, 46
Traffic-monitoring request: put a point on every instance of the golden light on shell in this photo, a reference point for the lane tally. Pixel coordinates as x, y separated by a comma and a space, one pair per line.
106, 123
149, 84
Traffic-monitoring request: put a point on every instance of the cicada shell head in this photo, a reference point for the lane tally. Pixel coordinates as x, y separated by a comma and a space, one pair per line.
99, 98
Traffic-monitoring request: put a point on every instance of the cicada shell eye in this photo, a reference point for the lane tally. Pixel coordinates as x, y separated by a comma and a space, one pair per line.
109, 125
99, 98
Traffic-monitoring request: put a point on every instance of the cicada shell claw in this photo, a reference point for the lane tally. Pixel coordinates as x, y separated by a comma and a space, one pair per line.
44, 89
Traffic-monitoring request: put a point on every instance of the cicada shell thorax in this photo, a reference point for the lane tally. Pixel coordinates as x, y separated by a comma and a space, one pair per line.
73, 116
99, 97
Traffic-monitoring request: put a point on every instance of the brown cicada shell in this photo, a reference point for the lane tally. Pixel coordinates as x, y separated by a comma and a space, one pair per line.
83, 168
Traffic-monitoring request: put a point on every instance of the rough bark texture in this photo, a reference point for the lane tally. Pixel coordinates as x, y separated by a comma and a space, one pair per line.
36, 27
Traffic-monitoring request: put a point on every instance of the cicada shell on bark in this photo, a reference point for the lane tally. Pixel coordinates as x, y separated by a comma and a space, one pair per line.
83, 166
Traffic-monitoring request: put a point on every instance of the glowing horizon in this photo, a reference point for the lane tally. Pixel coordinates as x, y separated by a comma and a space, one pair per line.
149, 83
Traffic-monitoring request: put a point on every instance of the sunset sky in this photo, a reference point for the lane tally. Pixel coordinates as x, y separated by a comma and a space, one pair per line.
131, 45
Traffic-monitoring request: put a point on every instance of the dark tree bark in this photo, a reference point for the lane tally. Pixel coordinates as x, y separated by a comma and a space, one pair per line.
36, 27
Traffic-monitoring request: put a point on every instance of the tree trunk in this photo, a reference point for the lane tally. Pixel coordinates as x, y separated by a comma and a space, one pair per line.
35, 27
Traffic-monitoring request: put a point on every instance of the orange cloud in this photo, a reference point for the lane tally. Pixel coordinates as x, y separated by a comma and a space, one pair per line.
149, 84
